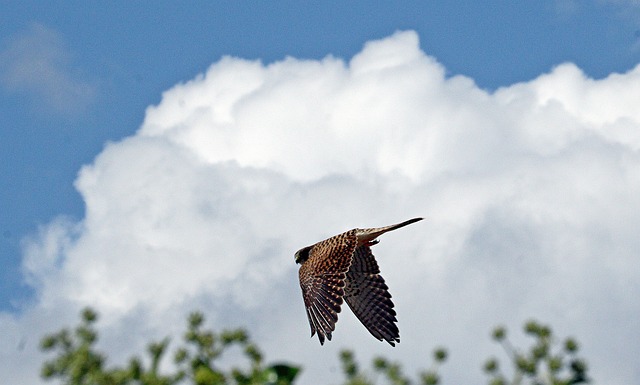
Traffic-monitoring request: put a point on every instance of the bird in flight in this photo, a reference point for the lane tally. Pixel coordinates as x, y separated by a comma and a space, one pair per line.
343, 267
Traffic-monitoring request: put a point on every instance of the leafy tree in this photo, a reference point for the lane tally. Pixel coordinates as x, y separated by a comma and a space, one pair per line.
77, 362
545, 363
390, 371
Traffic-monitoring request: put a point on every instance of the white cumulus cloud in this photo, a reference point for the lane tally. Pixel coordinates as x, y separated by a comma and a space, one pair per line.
531, 196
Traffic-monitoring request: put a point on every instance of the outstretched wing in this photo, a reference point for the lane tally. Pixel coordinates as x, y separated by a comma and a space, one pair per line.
322, 279
368, 296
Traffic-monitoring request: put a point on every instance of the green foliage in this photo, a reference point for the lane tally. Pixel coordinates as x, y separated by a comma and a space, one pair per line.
391, 372
197, 359
78, 363
544, 363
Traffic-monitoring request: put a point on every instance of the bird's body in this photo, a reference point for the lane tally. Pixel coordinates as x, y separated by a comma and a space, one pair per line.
343, 267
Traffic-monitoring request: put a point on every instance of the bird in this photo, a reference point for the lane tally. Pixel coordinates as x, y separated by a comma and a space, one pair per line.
343, 268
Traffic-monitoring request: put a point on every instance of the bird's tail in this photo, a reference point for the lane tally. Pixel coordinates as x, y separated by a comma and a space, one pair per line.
368, 235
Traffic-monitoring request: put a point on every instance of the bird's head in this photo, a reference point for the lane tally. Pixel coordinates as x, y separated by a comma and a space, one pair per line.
303, 254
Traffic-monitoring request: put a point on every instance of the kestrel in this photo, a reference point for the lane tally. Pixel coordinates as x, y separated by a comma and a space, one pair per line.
343, 266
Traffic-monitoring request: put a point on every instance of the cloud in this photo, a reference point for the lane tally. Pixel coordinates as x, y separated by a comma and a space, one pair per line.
37, 62
531, 195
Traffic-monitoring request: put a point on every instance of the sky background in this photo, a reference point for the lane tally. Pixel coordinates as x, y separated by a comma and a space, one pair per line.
215, 139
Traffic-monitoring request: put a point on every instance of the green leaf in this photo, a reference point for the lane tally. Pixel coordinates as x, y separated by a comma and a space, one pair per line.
285, 373
491, 365
440, 354
499, 333
570, 345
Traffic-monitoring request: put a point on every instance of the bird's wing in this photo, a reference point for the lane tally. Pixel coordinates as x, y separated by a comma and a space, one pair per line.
322, 279
368, 297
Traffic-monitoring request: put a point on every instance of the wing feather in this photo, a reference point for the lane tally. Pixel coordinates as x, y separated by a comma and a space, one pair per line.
322, 279
368, 296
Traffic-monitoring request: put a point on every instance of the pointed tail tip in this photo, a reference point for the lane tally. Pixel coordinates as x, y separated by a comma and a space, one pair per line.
399, 225
410, 221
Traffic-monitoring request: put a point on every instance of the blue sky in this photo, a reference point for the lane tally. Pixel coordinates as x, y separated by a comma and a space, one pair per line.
77, 75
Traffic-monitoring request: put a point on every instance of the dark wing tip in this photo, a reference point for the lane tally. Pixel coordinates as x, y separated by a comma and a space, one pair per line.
321, 336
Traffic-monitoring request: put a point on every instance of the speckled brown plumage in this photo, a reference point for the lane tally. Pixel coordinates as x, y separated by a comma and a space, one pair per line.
343, 267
